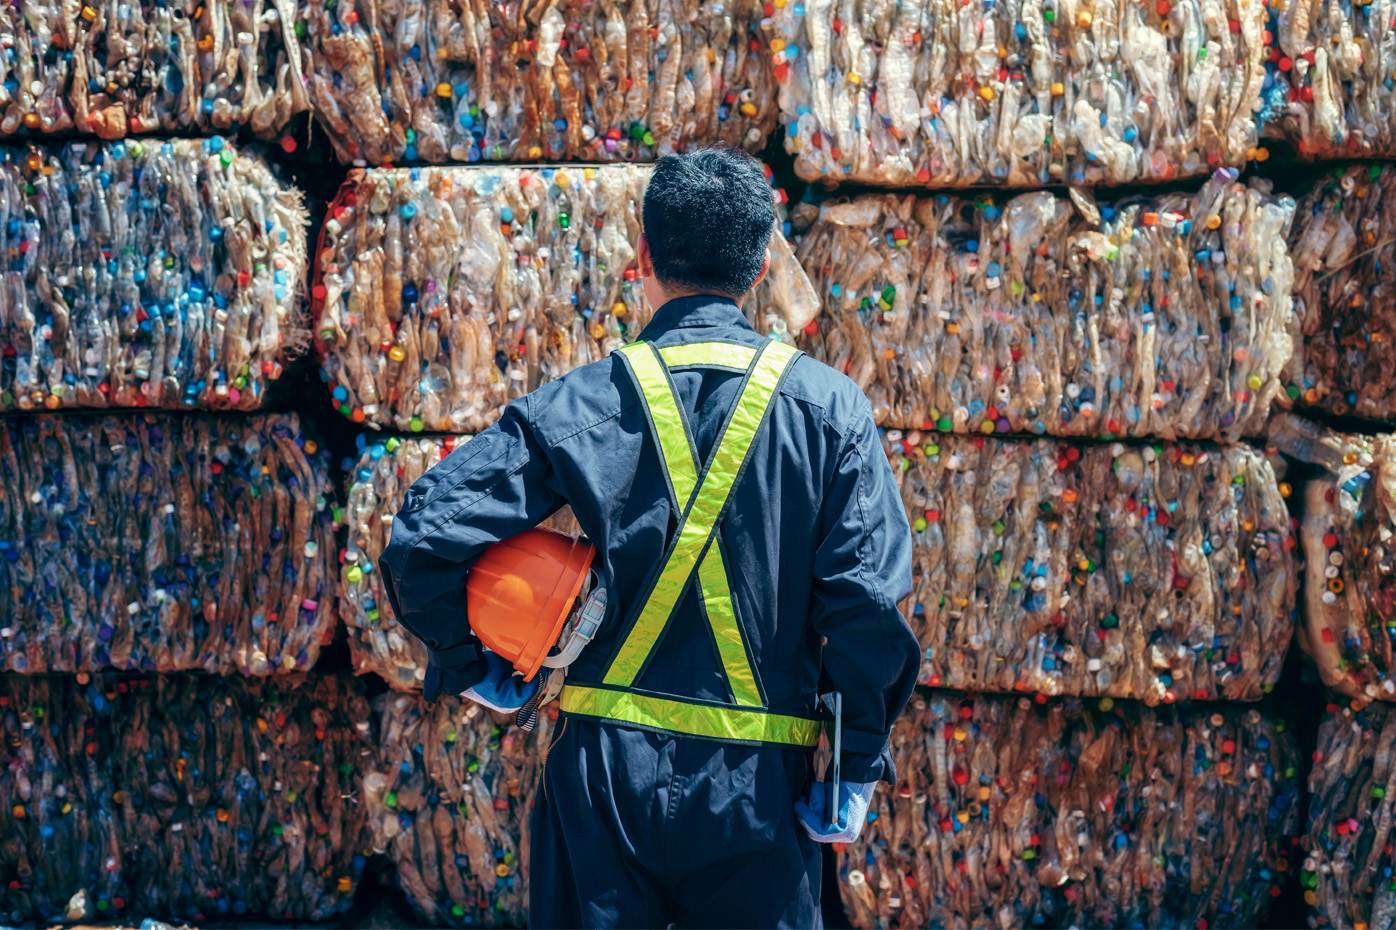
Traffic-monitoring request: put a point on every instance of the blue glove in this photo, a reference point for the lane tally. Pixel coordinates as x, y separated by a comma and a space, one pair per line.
813, 813
501, 690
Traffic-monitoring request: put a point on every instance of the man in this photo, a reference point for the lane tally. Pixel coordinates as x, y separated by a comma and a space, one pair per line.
754, 547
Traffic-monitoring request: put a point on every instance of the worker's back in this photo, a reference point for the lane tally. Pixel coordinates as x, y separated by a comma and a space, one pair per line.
594, 425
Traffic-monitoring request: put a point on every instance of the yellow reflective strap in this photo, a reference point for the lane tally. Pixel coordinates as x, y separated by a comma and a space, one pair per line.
717, 354
722, 617
701, 521
703, 720
663, 411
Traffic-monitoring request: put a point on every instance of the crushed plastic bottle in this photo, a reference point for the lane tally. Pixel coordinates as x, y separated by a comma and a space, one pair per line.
378, 482
449, 804
217, 799
1347, 863
160, 543
1348, 517
573, 81
946, 94
1344, 254
1109, 814
1328, 87
442, 294
147, 274
117, 68
1165, 317
1159, 573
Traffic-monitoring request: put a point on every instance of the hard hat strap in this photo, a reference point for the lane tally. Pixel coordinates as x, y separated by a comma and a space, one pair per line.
582, 626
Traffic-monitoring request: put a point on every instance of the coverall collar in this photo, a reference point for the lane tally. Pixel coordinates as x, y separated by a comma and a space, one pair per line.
697, 310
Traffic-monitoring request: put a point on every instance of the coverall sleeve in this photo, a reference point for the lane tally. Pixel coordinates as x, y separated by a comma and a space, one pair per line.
494, 486
862, 568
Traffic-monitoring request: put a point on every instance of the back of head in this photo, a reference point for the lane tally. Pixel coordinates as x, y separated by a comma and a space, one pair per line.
708, 218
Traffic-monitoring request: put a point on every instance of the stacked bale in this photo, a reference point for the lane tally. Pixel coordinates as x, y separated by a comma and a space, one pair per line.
575, 81
112, 69
1328, 79
949, 95
188, 796
147, 274
163, 543
1344, 282
1009, 812
445, 293
1164, 317
1348, 512
1160, 573
1347, 871
1348, 515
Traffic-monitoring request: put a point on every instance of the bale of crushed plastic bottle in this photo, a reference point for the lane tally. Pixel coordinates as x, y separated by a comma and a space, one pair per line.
187, 796
147, 274
572, 81
113, 69
945, 94
1348, 866
163, 543
1163, 317
148, 923
444, 293
1344, 284
1012, 813
378, 482
1349, 516
1328, 88
1158, 573
449, 803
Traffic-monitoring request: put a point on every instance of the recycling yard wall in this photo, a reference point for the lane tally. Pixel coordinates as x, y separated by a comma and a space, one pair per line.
265, 264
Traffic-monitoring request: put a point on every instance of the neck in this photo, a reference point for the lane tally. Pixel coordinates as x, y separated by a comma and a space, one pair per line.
668, 295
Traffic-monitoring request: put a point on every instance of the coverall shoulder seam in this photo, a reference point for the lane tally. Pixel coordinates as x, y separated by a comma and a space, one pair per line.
797, 394
549, 445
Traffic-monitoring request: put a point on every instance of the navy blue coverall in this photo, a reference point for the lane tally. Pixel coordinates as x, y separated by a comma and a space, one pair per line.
641, 828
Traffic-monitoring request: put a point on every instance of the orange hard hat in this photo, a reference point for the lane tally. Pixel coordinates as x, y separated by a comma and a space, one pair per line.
521, 591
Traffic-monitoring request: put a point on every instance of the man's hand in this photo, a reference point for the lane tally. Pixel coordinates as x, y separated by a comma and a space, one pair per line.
501, 689
813, 812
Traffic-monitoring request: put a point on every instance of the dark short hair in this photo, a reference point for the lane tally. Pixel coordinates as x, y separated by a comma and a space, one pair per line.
708, 217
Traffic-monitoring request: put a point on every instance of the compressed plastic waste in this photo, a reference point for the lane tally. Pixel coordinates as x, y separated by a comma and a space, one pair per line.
147, 273
1327, 88
1349, 515
445, 293
572, 81
449, 803
1166, 317
1348, 860
1159, 573
162, 543
945, 94
110, 69
1343, 245
378, 482
148, 924
188, 796
1013, 813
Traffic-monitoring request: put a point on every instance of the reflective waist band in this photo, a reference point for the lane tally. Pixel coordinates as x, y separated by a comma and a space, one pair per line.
707, 721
